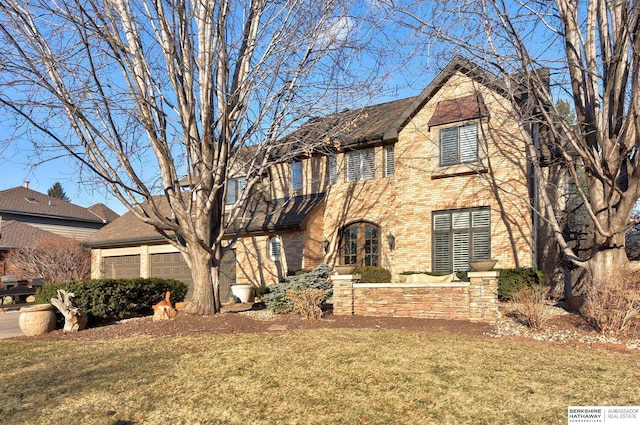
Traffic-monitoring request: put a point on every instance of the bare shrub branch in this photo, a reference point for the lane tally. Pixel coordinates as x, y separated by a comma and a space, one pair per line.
306, 302
56, 259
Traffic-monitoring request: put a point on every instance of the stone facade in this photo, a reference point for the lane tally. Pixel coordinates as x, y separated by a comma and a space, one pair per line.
475, 301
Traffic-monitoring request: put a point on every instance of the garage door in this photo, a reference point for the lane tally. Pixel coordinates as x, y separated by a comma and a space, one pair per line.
123, 267
171, 266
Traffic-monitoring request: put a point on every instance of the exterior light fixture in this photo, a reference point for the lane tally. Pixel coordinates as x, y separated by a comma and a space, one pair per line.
392, 241
326, 245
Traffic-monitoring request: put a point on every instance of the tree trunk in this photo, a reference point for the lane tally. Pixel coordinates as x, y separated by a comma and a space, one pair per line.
205, 279
609, 257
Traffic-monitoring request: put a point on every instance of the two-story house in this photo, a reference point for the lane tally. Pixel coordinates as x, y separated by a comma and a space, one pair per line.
423, 184
28, 217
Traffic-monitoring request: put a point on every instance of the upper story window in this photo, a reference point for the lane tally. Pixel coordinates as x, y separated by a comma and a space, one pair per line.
389, 161
459, 144
460, 236
296, 175
235, 186
361, 165
332, 169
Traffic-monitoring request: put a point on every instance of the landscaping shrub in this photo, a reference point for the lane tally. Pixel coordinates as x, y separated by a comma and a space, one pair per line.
278, 299
611, 303
306, 302
511, 280
105, 299
532, 305
370, 274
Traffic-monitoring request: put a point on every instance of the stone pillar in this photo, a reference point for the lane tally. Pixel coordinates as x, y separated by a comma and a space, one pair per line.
342, 294
483, 296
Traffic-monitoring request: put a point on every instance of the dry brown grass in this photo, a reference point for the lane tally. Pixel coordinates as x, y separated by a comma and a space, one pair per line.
309, 377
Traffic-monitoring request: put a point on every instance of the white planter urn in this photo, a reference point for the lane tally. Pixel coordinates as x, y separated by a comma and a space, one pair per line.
244, 292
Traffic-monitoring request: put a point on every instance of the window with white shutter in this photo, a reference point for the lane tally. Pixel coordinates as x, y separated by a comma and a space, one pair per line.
332, 165
389, 161
296, 175
235, 186
460, 236
459, 144
361, 165
275, 248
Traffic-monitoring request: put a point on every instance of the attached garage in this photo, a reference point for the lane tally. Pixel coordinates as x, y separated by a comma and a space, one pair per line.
121, 267
171, 266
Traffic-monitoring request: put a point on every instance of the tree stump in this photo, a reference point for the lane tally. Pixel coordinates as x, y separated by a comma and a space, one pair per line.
74, 319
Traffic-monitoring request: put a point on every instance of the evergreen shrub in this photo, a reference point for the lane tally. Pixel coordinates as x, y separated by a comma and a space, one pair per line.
107, 299
512, 280
278, 299
371, 274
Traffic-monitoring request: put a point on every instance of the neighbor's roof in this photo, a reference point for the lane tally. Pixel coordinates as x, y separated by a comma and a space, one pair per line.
279, 214
23, 201
14, 234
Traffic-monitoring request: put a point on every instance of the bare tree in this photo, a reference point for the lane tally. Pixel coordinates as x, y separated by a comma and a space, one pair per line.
164, 97
55, 259
586, 52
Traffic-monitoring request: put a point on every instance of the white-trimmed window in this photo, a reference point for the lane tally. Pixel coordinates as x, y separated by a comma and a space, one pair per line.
459, 144
361, 165
275, 248
460, 236
296, 175
389, 161
235, 186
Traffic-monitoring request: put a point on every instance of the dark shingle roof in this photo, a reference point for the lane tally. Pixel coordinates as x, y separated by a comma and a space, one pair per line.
24, 201
103, 212
14, 234
280, 214
381, 123
351, 128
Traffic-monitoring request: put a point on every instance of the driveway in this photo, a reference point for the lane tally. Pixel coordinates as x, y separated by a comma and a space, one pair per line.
9, 324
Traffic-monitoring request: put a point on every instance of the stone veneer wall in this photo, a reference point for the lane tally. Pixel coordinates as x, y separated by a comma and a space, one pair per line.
475, 301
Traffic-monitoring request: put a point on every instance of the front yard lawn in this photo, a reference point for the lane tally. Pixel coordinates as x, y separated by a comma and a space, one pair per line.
323, 376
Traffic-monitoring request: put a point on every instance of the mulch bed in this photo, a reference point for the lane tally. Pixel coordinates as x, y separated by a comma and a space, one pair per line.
245, 319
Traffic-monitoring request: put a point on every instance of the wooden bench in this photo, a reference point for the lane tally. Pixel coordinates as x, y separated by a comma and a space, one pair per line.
20, 290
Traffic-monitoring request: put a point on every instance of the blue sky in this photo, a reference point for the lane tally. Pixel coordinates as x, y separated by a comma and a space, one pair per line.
15, 168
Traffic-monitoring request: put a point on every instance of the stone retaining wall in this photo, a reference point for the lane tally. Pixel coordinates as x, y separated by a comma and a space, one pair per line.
476, 300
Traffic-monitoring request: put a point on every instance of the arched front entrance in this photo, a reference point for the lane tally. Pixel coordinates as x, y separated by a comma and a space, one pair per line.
360, 244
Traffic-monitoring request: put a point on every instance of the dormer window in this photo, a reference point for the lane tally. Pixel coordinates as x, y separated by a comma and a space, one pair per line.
459, 144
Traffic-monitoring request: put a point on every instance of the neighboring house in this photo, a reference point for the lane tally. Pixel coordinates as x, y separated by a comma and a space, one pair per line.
422, 184
27, 217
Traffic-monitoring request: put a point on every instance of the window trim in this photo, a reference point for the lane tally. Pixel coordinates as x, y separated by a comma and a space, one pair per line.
483, 229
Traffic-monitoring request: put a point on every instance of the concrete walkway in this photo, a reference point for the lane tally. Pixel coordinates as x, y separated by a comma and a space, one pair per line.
9, 324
